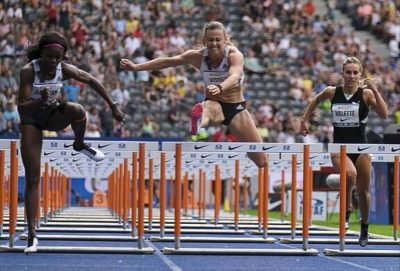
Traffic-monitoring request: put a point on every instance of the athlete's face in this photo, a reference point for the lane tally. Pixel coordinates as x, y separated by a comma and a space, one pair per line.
214, 39
351, 74
52, 56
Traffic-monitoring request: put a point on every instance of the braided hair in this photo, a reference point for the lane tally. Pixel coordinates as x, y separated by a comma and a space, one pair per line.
50, 37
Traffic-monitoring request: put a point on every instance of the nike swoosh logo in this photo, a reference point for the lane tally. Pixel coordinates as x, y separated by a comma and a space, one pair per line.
277, 162
76, 159
211, 162
205, 155
322, 163
75, 153
48, 153
394, 150
67, 145
362, 149
267, 148
103, 146
312, 157
52, 160
232, 156
344, 119
234, 148
199, 147
188, 162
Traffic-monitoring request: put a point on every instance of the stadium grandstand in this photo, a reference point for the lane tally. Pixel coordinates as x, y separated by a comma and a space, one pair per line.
292, 49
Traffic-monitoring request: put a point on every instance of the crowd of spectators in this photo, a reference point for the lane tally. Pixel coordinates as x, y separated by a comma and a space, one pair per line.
291, 53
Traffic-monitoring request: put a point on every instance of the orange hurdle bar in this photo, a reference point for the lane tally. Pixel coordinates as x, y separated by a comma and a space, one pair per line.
185, 193
260, 196
39, 203
45, 188
200, 193
13, 192
134, 194
178, 165
342, 214
125, 194
294, 197
266, 198
283, 192
395, 197
193, 202
306, 195
162, 194
150, 203
204, 194
218, 193
2, 188
237, 195
141, 195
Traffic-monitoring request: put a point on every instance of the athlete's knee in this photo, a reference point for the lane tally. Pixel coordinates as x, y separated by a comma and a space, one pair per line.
32, 179
259, 159
78, 112
351, 176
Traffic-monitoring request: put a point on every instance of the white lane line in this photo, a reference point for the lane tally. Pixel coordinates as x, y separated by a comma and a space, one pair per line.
164, 258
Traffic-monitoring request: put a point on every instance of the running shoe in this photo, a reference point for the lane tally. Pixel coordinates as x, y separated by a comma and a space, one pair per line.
347, 222
363, 240
32, 243
195, 116
91, 152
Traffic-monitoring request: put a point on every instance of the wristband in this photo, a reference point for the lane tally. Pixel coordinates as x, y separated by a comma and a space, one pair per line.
114, 105
219, 87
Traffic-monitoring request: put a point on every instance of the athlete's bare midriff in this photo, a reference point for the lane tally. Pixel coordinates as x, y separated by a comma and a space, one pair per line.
232, 95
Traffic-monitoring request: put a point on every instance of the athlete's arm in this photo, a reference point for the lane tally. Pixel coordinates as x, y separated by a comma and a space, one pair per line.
71, 71
25, 104
325, 94
192, 57
375, 99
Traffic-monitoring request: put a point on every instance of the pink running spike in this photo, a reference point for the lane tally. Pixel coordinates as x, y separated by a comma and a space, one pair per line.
195, 116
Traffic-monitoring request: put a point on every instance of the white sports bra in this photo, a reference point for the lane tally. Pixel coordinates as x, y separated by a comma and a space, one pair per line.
54, 85
214, 76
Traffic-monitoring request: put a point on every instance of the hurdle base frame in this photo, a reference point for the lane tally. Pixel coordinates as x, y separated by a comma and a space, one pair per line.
336, 241
239, 251
83, 250
200, 239
359, 252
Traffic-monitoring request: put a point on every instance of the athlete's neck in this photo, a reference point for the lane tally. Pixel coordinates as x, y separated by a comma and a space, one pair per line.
350, 90
215, 58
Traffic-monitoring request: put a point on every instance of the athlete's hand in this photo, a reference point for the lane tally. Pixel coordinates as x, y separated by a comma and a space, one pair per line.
304, 127
371, 84
127, 64
117, 113
44, 95
213, 89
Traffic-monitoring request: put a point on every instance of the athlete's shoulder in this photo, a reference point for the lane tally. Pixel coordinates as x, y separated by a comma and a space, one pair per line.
234, 50
27, 70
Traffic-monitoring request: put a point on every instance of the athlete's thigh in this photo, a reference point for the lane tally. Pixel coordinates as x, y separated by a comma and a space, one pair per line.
350, 168
213, 111
363, 166
244, 128
31, 147
65, 116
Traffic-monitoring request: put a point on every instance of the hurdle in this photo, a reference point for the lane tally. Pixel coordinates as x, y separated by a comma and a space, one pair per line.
384, 151
221, 147
58, 186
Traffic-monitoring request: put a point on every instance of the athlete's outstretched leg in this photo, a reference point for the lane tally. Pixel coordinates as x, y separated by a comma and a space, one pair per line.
243, 127
31, 148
